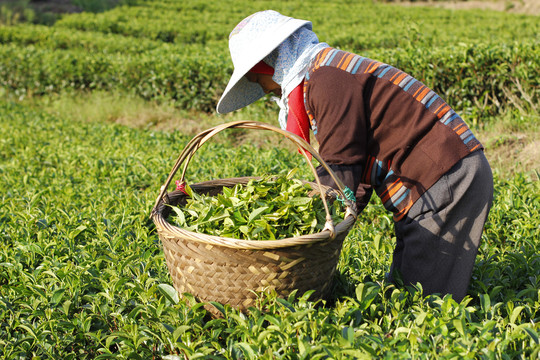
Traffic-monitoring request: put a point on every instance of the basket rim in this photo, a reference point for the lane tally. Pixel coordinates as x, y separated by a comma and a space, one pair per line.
175, 231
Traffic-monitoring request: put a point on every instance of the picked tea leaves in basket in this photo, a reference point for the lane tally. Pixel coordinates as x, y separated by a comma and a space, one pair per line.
268, 208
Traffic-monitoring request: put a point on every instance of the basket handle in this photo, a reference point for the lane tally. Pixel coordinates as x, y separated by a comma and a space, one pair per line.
302, 145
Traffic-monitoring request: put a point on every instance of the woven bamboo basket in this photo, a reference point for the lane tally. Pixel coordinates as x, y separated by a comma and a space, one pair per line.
233, 271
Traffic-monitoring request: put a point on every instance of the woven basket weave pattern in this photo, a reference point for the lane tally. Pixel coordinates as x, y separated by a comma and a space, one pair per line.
235, 272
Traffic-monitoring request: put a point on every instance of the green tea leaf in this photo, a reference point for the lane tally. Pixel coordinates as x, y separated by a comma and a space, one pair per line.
57, 295
256, 213
179, 331
188, 190
515, 314
180, 217
169, 292
531, 332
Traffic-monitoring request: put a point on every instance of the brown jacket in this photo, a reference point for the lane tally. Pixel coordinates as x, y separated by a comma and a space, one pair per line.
398, 135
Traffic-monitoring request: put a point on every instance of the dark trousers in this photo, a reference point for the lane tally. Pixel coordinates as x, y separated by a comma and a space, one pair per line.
437, 242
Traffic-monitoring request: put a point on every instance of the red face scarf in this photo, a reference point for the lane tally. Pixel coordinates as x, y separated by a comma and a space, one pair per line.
262, 68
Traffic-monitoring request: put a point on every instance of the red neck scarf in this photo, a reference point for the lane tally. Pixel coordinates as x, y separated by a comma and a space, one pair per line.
297, 118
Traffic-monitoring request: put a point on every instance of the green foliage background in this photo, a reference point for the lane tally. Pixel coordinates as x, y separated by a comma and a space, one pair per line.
177, 51
82, 273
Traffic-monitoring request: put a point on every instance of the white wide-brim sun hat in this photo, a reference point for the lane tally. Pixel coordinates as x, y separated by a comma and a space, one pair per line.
251, 41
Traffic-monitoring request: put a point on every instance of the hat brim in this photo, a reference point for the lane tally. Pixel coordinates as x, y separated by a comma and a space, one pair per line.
239, 91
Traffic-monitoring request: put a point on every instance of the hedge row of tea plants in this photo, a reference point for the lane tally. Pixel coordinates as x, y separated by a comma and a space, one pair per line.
352, 25
481, 77
82, 272
160, 74
163, 50
57, 38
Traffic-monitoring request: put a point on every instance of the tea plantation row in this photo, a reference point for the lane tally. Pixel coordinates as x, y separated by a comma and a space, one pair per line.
167, 51
346, 24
